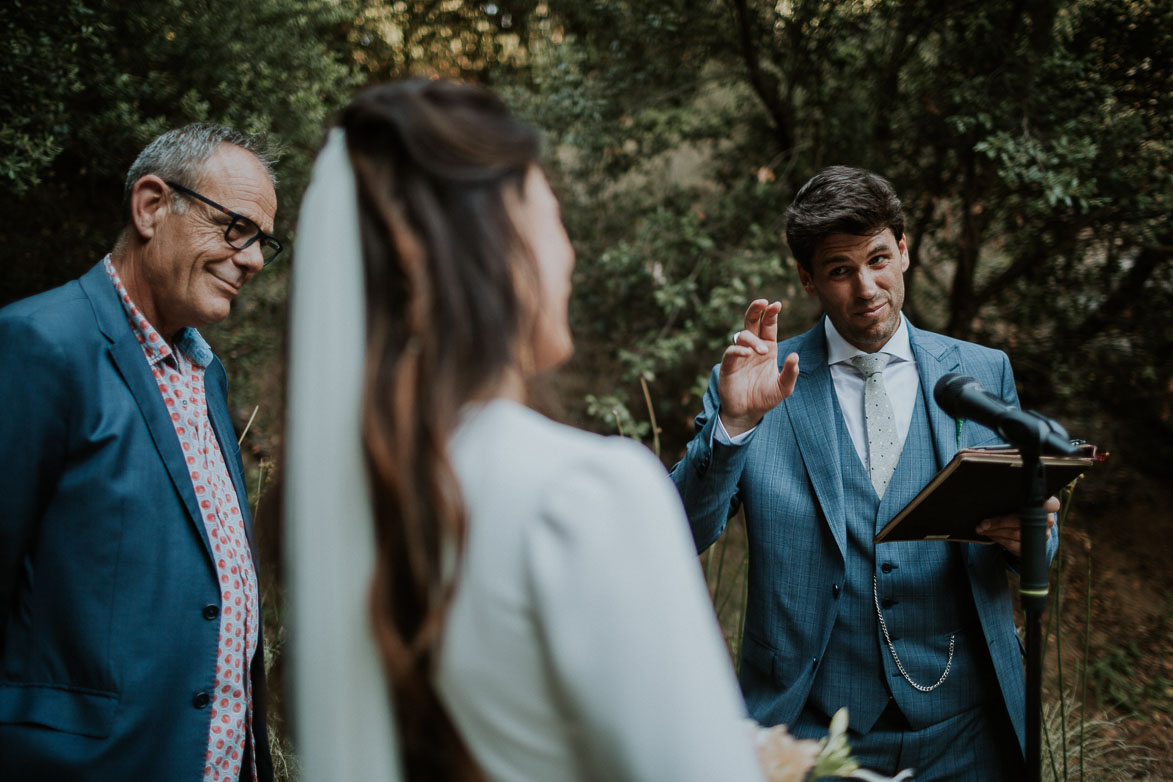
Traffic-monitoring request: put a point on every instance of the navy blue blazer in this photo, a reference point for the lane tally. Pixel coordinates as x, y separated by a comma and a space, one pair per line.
789, 480
109, 602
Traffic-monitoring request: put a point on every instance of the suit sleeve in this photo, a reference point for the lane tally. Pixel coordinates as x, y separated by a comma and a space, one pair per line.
629, 631
708, 475
34, 425
1009, 391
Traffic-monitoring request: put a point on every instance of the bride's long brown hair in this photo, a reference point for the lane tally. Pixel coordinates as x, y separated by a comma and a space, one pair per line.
432, 160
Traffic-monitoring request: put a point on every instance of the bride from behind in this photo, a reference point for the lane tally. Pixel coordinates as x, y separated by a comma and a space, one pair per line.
535, 603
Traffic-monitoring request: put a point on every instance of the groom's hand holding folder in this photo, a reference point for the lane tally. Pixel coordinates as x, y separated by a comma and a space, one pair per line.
1006, 530
975, 497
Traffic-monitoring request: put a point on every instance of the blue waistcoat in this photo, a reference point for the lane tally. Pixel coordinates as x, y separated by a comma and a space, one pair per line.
857, 669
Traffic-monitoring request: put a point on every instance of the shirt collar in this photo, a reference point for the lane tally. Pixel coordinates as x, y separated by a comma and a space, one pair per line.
840, 350
188, 340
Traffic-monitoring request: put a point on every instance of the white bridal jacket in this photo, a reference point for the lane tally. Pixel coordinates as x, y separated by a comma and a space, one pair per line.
582, 644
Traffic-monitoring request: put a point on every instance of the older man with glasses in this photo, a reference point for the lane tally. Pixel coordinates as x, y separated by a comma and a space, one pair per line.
130, 620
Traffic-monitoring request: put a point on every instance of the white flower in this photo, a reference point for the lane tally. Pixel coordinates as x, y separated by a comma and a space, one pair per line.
786, 759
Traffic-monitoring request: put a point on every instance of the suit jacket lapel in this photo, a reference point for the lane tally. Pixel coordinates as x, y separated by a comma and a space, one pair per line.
128, 357
934, 359
812, 412
215, 383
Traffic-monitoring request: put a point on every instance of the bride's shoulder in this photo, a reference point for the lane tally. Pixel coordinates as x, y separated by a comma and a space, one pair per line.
558, 443
562, 488
539, 446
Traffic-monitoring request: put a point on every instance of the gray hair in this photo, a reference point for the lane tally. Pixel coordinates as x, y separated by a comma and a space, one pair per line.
179, 155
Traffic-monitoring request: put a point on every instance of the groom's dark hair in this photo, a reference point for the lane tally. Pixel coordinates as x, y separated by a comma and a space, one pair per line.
841, 200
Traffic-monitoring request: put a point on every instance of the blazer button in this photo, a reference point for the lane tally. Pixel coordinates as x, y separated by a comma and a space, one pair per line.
211, 612
835, 591
887, 603
887, 567
201, 700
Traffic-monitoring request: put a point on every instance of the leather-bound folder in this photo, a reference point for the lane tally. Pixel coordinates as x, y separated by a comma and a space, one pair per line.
978, 484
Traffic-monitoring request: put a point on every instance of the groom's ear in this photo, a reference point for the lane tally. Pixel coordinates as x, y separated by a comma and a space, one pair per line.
808, 282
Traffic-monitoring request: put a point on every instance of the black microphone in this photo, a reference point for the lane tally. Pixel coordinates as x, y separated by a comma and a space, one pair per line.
963, 397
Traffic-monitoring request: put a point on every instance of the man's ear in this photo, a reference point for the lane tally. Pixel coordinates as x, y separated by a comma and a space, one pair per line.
804, 277
903, 247
150, 200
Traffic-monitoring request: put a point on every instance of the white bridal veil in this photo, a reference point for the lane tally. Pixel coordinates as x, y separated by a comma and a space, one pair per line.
344, 724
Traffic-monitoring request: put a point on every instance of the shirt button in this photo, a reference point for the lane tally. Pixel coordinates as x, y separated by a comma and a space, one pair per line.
201, 700
211, 612
887, 567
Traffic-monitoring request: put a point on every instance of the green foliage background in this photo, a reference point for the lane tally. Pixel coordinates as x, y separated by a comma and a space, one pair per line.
1031, 141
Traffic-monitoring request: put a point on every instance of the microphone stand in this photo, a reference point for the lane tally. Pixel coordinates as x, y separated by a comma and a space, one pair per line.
1032, 594
1033, 581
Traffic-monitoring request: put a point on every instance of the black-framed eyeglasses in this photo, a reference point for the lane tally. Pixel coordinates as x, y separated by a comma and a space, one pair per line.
241, 232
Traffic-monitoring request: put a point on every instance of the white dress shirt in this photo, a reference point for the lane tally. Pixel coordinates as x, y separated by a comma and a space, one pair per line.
901, 381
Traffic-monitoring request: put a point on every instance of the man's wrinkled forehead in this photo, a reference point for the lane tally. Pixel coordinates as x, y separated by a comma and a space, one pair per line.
840, 247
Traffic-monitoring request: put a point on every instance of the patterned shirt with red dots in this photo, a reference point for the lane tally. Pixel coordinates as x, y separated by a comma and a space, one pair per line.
179, 374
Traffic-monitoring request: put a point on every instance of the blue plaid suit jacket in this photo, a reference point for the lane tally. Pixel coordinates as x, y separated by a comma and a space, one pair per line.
788, 479
106, 571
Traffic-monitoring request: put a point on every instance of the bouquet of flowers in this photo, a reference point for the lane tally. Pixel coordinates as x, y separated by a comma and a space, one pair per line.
786, 759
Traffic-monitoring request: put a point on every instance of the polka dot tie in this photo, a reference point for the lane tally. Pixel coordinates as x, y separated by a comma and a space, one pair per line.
883, 442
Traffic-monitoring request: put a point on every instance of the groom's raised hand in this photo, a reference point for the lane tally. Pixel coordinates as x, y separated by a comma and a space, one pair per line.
751, 384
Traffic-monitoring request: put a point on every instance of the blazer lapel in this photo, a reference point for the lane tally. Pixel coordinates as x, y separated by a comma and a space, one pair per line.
128, 357
812, 412
934, 359
215, 385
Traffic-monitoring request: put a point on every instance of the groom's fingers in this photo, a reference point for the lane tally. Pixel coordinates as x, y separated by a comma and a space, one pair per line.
769, 321
753, 316
750, 340
788, 375
732, 354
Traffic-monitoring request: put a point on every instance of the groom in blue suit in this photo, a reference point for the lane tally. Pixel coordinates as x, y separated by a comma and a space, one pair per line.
821, 449
130, 639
